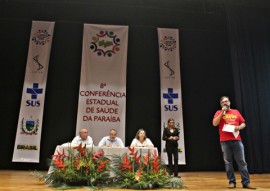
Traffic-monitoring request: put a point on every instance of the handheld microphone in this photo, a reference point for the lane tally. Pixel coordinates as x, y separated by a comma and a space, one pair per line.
224, 112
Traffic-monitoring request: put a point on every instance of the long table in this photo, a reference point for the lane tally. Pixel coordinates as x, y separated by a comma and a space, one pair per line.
108, 151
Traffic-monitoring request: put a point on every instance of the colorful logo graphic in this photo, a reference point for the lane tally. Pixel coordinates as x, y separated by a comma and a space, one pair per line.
34, 91
105, 43
41, 37
29, 126
168, 43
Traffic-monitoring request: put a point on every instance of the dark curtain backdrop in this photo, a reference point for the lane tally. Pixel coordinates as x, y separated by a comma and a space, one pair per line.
249, 38
209, 30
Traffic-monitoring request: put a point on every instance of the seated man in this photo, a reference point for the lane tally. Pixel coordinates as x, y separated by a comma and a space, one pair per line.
111, 140
83, 138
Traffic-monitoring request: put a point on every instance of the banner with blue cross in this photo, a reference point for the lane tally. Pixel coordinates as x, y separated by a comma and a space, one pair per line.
27, 143
170, 86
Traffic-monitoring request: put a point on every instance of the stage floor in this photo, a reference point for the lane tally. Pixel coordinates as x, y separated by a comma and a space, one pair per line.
205, 181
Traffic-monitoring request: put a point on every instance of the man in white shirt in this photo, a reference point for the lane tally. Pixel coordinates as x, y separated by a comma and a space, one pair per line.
83, 138
111, 140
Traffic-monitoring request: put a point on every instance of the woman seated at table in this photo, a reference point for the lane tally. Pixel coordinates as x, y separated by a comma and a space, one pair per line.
141, 140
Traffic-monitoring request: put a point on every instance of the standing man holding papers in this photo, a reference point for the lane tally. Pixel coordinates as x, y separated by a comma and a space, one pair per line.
230, 122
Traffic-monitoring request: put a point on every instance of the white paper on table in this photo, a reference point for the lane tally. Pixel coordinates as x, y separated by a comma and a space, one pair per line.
230, 128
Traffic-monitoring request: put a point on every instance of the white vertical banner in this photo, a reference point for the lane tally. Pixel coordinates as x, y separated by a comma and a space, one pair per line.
170, 82
102, 94
27, 143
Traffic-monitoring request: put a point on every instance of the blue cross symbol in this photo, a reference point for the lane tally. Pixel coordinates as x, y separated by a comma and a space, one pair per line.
170, 95
34, 91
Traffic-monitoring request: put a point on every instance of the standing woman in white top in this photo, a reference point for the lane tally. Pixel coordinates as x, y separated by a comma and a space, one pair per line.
141, 140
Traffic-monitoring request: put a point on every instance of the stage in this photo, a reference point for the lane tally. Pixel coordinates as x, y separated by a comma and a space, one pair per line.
206, 181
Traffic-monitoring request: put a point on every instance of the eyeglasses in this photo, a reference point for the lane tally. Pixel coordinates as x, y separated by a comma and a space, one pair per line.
224, 101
